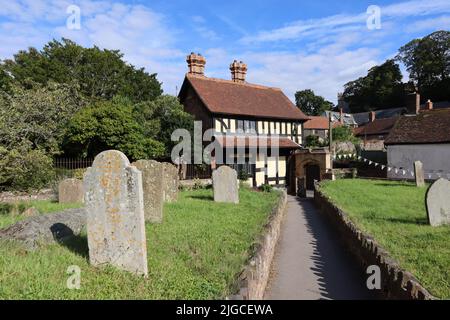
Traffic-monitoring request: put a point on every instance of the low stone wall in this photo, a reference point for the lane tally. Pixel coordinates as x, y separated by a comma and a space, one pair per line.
46, 194
189, 184
396, 283
253, 280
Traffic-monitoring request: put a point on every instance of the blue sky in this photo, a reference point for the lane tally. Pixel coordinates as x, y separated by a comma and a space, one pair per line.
293, 45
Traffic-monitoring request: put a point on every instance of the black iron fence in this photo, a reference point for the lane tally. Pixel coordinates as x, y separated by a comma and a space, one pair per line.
71, 167
198, 171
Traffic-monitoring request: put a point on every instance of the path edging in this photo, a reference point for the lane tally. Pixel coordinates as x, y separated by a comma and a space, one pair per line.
252, 282
396, 283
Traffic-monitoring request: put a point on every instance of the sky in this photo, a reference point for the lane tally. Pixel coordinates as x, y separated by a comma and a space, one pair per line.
293, 45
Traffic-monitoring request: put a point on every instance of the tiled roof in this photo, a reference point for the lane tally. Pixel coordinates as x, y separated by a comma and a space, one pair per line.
426, 127
377, 127
320, 123
363, 117
233, 141
244, 99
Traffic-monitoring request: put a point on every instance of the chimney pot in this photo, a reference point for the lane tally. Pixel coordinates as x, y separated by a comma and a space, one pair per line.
196, 64
413, 102
238, 71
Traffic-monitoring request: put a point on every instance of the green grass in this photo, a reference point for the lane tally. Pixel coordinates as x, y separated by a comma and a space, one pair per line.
43, 206
196, 253
394, 213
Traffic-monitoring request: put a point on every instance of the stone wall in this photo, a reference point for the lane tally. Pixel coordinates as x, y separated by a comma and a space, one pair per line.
253, 280
46, 194
396, 283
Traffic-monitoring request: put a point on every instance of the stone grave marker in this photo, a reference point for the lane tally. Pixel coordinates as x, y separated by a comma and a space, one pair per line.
152, 183
438, 203
70, 191
115, 213
171, 182
419, 174
225, 185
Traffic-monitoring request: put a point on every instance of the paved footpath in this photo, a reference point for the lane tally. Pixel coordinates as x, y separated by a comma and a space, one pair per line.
310, 263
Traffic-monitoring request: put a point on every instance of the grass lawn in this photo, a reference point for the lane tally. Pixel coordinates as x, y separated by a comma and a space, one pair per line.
196, 253
394, 214
42, 206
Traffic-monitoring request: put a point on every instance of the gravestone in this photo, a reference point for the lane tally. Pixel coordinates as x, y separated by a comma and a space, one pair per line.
438, 203
171, 182
152, 185
115, 213
225, 185
70, 191
419, 174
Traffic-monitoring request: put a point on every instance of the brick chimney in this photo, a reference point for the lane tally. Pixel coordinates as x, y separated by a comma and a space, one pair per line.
429, 105
341, 115
413, 102
238, 71
372, 116
196, 64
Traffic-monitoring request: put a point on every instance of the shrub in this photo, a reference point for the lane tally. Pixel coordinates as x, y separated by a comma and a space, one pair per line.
243, 175
24, 170
266, 188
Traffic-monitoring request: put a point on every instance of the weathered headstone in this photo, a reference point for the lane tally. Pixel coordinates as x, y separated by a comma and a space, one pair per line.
225, 185
115, 213
438, 203
70, 191
171, 182
152, 183
419, 174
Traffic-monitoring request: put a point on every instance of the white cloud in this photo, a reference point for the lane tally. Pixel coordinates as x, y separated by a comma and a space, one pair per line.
143, 35
344, 22
437, 23
321, 54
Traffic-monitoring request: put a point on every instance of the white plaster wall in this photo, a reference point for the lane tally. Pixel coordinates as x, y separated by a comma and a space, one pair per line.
433, 156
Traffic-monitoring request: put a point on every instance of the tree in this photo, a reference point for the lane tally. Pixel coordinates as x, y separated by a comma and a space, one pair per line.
110, 125
5, 80
428, 63
100, 74
37, 117
381, 88
161, 117
32, 125
311, 104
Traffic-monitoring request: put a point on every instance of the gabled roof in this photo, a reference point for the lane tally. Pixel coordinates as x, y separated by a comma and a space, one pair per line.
377, 127
431, 126
318, 123
243, 99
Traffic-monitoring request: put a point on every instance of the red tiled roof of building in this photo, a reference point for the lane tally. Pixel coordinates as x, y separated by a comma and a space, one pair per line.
244, 99
319, 123
427, 127
233, 141
377, 127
